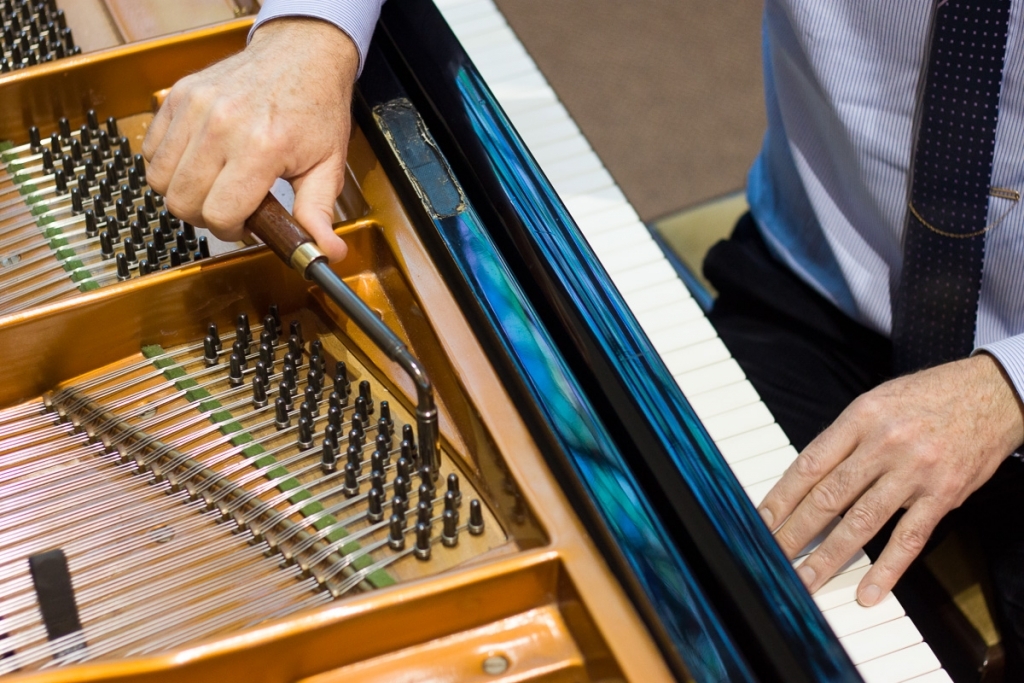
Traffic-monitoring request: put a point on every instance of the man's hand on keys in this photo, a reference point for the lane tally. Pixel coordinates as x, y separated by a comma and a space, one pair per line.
923, 442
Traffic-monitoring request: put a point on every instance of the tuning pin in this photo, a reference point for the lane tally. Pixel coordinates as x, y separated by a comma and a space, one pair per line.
204, 249
211, 330
267, 356
306, 411
259, 393
377, 479
359, 414
269, 327
241, 349
399, 506
128, 197
403, 468
401, 487
366, 395
288, 375
159, 243
91, 120
129, 251
385, 414
383, 441
334, 418
449, 529
112, 128
210, 351
424, 513
331, 432
144, 267
351, 488
152, 255
235, 371
262, 374
354, 456
178, 256
76, 201
328, 461
34, 141
123, 273
396, 533
316, 381
406, 451
281, 418
149, 204
103, 142
426, 494
305, 437
377, 463
119, 166
47, 160
427, 479
309, 394
375, 505
334, 401
138, 236
295, 330
450, 503
76, 151
476, 518
106, 247
60, 180
453, 487
295, 347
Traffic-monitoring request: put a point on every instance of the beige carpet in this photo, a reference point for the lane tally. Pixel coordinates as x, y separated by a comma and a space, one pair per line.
667, 91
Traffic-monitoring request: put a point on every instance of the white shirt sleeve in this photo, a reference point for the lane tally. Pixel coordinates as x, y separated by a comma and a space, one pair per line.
357, 18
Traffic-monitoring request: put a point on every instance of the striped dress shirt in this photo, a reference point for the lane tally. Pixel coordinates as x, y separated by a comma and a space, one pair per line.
829, 187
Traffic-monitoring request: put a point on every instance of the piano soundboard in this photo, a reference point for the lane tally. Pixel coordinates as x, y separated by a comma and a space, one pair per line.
882, 640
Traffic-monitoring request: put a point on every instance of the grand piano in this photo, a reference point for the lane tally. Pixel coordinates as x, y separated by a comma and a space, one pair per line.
610, 444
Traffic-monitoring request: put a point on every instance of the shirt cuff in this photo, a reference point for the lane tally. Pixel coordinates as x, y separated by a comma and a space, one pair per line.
357, 18
1010, 354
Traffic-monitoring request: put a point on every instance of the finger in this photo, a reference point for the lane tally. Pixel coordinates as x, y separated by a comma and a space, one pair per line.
167, 156
858, 526
316, 193
819, 458
906, 543
159, 125
235, 195
196, 172
836, 492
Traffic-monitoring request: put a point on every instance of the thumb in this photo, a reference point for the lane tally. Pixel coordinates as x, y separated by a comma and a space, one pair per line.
315, 195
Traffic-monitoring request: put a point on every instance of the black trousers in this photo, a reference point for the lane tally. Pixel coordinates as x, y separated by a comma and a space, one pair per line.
808, 361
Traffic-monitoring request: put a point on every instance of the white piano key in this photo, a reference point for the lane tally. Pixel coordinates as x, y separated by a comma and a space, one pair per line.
758, 491
752, 443
683, 334
852, 617
711, 403
873, 643
523, 91
841, 588
901, 665
696, 356
572, 166
939, 676
555, 141
645, 276
607, 220
673, 313
622, 237
738, 420
656, 297
594, 202
500, 63
465, 9
476, 23
550, 115
592, 181
701, 380
638, 254
765, 466
600, 213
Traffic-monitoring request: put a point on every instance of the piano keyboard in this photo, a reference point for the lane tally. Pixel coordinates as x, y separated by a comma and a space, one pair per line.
882, 641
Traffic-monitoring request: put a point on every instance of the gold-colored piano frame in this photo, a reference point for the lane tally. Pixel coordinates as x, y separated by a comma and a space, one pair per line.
550, 606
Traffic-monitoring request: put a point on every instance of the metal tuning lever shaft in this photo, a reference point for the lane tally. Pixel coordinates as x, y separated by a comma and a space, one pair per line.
290, 241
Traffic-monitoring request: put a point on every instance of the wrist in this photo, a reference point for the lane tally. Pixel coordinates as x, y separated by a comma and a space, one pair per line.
319, 39
1004, 402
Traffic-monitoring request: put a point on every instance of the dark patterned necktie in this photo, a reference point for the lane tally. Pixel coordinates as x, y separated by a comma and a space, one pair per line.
936, 303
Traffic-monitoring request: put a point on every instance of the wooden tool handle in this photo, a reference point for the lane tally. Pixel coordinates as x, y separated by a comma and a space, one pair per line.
289, 240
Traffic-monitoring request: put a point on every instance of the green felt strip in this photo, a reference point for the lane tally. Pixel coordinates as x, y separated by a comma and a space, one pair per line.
38, 209
58, 242
44, 220
5, 145
88, 286
64, 253
81, 276
14, 166
74, 264
52, 232
285, 483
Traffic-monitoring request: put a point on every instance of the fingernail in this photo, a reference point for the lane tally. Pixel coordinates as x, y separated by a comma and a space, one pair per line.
767, 516
806, 574
869, 595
